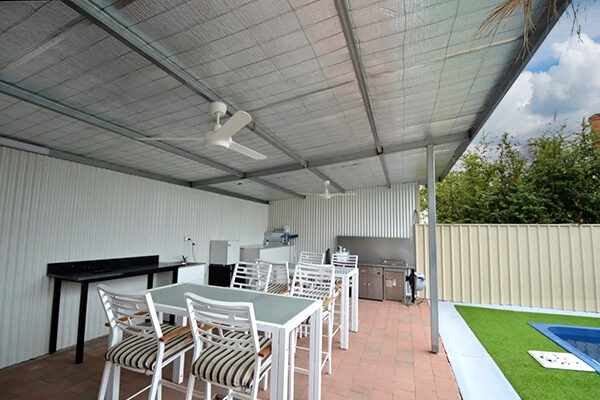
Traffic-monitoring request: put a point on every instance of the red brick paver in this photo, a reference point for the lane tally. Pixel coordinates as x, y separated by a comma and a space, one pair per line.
388, 359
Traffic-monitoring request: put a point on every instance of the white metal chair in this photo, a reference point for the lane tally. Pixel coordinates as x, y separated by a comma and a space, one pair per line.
308, 257
251, 276
228, 351
344, 260
317, 282
149, 345
279, 281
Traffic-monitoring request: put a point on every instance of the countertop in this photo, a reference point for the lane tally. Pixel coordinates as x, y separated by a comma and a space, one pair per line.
385, 266
264, 246
121, 272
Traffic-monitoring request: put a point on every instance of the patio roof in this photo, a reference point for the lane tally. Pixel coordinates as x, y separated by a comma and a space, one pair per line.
350, 91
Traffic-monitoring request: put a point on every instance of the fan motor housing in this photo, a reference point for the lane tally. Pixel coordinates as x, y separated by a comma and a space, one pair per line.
217, 108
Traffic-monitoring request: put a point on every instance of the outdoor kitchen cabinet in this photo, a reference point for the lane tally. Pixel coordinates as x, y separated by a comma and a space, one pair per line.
371, 283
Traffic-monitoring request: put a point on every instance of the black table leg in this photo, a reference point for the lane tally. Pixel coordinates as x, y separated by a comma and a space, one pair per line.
150, 283
81, 323
54, 317
173, 280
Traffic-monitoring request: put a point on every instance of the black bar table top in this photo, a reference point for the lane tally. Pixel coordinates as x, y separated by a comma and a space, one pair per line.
86, 272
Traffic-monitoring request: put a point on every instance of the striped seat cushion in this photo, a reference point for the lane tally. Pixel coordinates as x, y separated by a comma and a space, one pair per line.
278, 288
140, 352
229, 367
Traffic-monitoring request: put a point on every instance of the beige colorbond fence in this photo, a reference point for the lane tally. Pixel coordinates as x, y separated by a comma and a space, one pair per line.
550, 266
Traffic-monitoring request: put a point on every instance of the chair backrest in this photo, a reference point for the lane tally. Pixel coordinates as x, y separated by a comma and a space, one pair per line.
280, 272
128, 313
231, 325
344, 260
252, 276
308, 257
313, 281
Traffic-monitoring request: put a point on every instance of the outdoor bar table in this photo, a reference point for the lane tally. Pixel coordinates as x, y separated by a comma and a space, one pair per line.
275, 314
349, 303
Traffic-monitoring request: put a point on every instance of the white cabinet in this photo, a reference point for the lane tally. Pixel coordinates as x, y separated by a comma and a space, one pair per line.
224, 252
272, 253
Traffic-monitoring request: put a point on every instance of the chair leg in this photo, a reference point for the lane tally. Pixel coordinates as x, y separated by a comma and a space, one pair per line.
190, 387
116, 381
329, 341
159, 390
104, 381
155, 386
254, 393
207, 391
266, 381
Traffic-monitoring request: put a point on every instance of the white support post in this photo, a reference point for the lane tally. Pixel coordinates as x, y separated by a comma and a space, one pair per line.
433, 282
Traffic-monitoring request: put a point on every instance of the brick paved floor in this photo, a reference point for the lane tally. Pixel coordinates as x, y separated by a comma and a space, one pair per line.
388, 358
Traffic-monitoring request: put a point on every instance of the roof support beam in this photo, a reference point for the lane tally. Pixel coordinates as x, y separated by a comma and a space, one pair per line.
63, 155
543, 25
117, 129
119, 31
359, 71
277, 187
393, 149
120, 130
385, 171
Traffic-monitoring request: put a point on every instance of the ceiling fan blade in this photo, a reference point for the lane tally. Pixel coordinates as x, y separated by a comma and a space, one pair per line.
246, 151
172, 139
233, 125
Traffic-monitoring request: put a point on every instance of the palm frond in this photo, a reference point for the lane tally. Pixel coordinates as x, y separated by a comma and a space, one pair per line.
506, 10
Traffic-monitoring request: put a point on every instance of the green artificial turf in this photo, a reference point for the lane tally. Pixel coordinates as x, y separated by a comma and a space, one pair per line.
507, 337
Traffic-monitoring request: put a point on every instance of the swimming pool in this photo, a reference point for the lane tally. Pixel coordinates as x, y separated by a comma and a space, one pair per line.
582, 341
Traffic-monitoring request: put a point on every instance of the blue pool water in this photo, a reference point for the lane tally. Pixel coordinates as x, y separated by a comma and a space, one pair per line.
582, 341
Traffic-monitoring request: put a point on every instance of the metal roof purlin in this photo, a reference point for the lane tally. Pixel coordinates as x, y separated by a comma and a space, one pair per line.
41, 101
359, 71
393, 149
113, 27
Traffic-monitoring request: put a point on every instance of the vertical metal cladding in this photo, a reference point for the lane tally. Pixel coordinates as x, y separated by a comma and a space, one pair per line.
548, 266
376, 212
53, 210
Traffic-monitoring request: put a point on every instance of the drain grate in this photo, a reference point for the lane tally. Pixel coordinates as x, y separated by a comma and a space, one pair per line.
567, 361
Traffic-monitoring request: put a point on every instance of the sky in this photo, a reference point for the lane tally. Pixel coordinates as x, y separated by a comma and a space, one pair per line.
563, 77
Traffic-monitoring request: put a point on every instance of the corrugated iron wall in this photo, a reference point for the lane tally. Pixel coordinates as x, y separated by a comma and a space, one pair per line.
550, 266
376, 212
53, 210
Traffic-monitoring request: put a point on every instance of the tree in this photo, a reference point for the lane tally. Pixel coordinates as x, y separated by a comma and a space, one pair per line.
554, 178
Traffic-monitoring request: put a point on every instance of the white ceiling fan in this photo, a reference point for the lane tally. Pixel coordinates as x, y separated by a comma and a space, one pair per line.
328, 195
221, 135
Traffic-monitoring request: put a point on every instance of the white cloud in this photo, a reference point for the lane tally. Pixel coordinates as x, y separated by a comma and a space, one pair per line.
571, 88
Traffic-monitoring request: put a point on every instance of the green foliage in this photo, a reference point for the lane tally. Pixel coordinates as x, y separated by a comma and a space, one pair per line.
554, 178
507, 337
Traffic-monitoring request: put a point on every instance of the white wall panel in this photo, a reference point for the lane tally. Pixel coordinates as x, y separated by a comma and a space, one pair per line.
376, 212
53, 210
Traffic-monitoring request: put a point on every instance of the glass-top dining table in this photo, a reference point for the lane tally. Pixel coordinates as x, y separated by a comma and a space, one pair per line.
276, 315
